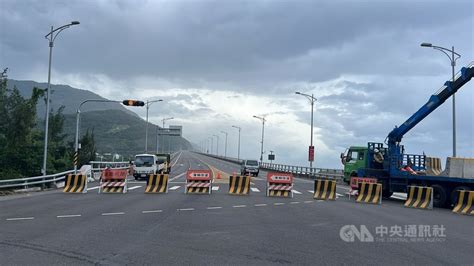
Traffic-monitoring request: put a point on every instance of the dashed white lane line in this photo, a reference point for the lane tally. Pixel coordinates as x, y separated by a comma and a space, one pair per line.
215, 188
296, 191
112, 213
134, 187
311, 191
308, 201
278, 203
68, 216
239, 206
339, 195
214, 208
346, 188
152, 211
19, 219
260, 205
174, 187
254, 189
294, 202
186, 209
92, 188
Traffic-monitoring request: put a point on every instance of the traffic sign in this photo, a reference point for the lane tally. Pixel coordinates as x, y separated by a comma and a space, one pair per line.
311, 154
283, 178
198, 175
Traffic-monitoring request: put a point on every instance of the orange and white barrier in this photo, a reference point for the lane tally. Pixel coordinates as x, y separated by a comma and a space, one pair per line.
198, 182
279, 184
113, 181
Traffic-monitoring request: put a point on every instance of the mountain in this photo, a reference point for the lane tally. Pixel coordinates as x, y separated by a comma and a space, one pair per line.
65, 95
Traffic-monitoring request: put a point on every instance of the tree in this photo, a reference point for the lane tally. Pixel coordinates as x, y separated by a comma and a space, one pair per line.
88, 148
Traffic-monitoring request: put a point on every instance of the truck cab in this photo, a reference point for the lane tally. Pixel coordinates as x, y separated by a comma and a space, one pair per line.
353, 158
146, 164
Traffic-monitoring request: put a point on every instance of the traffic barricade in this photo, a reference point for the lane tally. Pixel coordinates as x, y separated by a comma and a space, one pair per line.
279, 184
198, 182
239, 184
354, 184
113, 181
157, 183
370, 193
75, 184
324, 189
465, 204
419, 197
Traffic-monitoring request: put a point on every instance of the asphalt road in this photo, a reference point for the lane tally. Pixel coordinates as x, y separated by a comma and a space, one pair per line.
135, 228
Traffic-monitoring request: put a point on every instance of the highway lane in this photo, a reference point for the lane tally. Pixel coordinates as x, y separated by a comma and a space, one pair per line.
175, 228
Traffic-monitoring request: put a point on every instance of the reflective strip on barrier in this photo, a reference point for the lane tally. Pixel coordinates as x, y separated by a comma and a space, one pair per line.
324, 189
157, 183
419, 197
75, 184
113, 186
279, 190
239, 185
370, 193
465, 204
198, 187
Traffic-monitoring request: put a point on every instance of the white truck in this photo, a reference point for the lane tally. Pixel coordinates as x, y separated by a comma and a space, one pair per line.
146, 164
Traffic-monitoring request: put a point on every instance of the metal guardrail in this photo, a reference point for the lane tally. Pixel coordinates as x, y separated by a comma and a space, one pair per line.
47, 179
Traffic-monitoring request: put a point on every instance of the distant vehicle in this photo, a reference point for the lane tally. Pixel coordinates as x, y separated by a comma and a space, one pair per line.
396, 170
146, 164
166, 159
249, 167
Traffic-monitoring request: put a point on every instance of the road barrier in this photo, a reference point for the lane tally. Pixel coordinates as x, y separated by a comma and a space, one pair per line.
75, 183
465, 204
279, 184
419, 197
239, 185
370, 193
157, 183
324, 189
433, 166
198, 182
113, 181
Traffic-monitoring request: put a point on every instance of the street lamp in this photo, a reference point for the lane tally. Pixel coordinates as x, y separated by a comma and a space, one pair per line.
217, 141
148, 103
452, 57
311, 99
51, 36
78, 113
225, 149
238, 145
263, 132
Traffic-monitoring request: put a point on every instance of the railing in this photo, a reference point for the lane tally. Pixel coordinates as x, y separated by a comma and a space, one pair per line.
305, 171
54, 178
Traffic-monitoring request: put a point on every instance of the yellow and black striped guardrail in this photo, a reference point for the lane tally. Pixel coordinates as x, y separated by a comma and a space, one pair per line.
419, 197
324, 189
465, 204
239, 185
370, 193
157, 183
75, 184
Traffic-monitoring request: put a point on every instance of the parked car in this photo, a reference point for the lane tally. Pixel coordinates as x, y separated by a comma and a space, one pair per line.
249, 167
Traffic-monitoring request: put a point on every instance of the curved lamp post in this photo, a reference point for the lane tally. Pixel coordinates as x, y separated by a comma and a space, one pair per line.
311, 99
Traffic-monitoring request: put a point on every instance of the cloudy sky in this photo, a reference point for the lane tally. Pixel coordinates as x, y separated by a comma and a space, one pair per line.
217, 63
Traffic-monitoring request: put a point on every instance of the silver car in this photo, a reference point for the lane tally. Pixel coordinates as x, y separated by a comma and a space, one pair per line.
249, 167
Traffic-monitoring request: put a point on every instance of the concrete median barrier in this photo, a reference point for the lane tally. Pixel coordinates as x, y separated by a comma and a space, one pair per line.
370, 193
157, 183
75, 184
198, 182
239, 185
419, 197
324, 189
279, 184
465, 204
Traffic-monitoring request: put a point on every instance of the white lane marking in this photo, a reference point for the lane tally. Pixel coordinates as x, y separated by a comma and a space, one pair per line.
254, 189
213, 208
175, 187
188, 209
68, 216
260, 205
296, 191
308, 201
320, 200
135, 187
178, 176
278, 203
402, 196
216, 188
311, 191
239, 206
294, 202
22, 218
177, 182
179, 155
339, 195
153, 211
91, 188
112, 213
346, 188
136, 182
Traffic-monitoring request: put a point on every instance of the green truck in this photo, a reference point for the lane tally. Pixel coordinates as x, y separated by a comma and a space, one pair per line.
354, 158
166, 159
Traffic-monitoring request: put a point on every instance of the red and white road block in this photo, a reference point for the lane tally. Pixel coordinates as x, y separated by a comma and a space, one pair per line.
279, 184
113, 181
198, 182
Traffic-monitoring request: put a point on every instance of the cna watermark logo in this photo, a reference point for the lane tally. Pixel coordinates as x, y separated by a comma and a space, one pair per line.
393, 233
